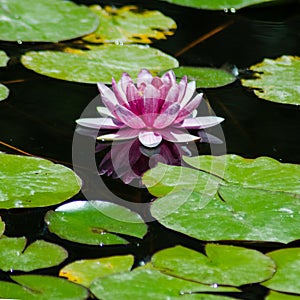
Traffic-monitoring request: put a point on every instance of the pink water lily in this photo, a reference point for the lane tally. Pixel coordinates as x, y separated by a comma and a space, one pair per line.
153, 109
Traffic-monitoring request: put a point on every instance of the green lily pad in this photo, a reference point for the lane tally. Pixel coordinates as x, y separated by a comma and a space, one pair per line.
206, 77
286, 278
87, 222
2, 227
222, 265
99, 64
129, 25
235, 198
3, 59
280, 296
34, 182
277, 80
44, 21
217, 4
149, 284
4, 91
14, 255
84, 272
41, 287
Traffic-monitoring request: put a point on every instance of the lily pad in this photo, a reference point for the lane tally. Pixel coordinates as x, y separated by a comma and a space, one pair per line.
277, 80
14, 255
41, 287
217, 4
280, 296
2, 227
128, 24
4, 91
231, 198
85, 271
222, 264
3, 59
87, 222
286, 278
149, 284
206, 77
34, 182
99, 64
44, 21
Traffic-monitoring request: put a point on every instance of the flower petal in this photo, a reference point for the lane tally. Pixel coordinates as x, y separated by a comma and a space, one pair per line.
201, 122
178, 136
156, 82
189, 108
173, 94
189, 92
119, 93
128, 117
166, 118
144, 76
149, 138
124, 81
169, 78
107, 96
104, 112
182, 88
100, 123
121, 135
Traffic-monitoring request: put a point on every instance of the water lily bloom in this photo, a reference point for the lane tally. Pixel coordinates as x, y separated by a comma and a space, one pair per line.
153, 109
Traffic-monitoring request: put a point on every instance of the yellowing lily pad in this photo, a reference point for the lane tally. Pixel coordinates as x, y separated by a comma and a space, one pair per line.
28, 287
217, 4
222, 264
99, 64
34, 182
15, 255
128, 24
87, 222
44, 21
236, 198
286, 278
206, 77
277, 80
149, 284
85, 271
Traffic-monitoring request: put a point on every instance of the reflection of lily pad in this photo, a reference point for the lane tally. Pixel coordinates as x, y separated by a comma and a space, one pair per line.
217, 4
44, 21
40, 287
206, 77
14, 255
84, 272
277, 80
286, 278
236, 198
88, 222
149, 284
129, 25
34, 182
99, 64
4, 91
222, 265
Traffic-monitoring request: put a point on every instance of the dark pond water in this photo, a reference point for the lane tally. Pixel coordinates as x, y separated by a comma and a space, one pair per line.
38, 117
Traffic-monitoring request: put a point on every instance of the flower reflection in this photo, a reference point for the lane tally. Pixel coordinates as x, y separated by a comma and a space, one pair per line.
152, 110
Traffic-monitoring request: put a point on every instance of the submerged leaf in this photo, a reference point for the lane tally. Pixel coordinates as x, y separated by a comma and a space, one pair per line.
85, 271
40, 287
286, 278
149, 284
222, 265
99, 64
4, 91
129, 25
44, 21
34, 182
3, 59
236, 198
88, 222
206, 77
15, 255
217, 4
277, 80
